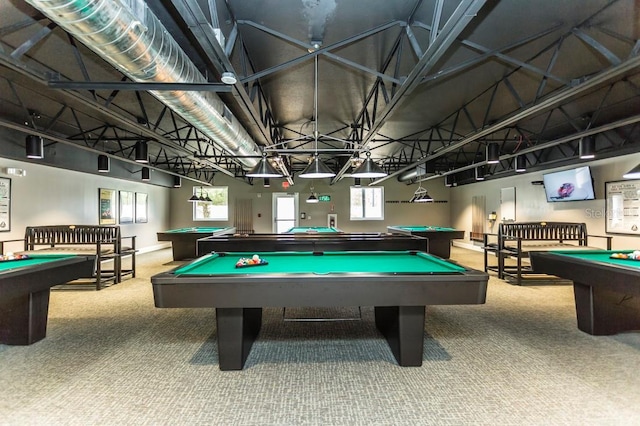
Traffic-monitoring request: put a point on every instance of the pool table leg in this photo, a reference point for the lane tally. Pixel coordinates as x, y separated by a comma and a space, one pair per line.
403, 327
23, 319
602, 312
238, 328
440, 247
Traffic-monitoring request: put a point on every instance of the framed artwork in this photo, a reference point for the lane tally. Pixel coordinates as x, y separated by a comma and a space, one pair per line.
622, 207
5, 204
141, 207
126, 207
107, 206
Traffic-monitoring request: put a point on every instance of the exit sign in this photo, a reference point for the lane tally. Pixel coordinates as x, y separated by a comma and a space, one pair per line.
324, 198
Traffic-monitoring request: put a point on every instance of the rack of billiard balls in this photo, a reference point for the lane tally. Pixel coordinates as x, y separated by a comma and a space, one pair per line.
255, 260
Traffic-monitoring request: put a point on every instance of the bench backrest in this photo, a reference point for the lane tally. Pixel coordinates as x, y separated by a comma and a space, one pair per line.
545, 231
53, 235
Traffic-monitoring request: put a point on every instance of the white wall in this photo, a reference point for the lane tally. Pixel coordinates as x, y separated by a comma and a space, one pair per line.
54, 196
531, 204
437, 214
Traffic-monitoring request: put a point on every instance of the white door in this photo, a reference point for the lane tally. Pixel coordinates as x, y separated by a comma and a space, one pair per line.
285, 211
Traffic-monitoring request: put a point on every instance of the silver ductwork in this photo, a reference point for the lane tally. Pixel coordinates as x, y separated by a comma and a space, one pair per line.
130, 37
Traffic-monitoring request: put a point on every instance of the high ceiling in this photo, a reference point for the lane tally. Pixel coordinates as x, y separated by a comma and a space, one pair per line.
423, 85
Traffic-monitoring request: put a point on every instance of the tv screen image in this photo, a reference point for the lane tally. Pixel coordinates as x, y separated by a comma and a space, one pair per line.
569, 185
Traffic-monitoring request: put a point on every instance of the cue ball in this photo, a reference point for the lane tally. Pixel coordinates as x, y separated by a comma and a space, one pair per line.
256, 257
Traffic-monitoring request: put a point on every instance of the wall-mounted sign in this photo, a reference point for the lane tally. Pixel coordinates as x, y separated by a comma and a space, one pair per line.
324, 198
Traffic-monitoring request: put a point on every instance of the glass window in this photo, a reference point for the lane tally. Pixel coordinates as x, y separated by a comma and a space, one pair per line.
217, 209
367, 203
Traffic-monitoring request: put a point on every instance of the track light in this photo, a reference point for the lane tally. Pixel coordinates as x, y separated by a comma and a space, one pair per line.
35, 147
587, 148
493, 153
145, 173
142, 153
521, 163
104, 163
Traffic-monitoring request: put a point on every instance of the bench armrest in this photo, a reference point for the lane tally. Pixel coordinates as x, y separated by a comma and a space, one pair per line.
608, 238
9, 241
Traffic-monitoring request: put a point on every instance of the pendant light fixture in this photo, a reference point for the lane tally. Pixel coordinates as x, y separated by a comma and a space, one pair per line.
316, 168
521, 163
421, 195
104, 163
145, 173
141, 152
633, 173
35, 147
264, 169
368, 169
177, 181
493, 153
587, 148
480, 173
312, 198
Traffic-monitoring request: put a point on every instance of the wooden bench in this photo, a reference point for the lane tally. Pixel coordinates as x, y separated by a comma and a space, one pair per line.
516, 240
102, 241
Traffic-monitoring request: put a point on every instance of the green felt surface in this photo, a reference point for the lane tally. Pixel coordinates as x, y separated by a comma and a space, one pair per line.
602, 256
31, 261
319, 229
400, 262
423, 228
199, 229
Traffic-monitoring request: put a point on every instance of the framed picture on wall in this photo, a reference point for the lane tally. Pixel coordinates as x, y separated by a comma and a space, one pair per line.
107, 206
5, 204
126, 207
622, 207
141, 207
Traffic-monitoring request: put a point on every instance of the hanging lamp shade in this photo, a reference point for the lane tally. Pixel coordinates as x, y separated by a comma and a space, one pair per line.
587, 147
264, 169
316, 170
104, 163
145, 173
368, 169
141, 152
312, 199
194, 198
633, 173
35, 147
521, 164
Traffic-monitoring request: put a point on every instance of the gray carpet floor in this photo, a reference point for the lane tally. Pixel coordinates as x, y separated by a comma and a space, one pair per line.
112, 358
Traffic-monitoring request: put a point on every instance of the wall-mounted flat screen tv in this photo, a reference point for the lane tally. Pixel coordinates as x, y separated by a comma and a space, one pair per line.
569, 185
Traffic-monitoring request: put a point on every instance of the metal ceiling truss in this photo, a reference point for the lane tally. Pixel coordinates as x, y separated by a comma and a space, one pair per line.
498, 127
133, 126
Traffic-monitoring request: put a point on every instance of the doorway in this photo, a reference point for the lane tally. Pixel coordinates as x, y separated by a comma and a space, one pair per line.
285, 211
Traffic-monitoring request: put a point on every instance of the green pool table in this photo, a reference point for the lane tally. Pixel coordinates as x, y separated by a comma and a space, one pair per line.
399, 284
606, 290
313, 230
439, 237
24, 293
183, 240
